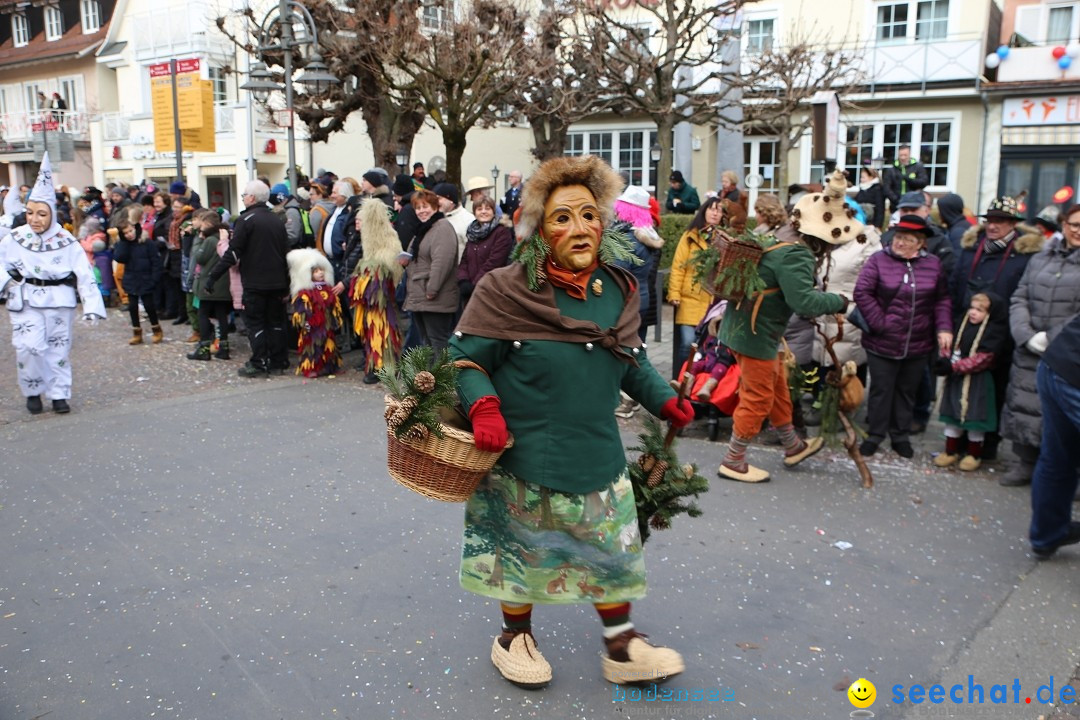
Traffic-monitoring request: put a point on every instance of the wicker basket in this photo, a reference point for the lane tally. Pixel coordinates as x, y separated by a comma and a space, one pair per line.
732, 252
447, 468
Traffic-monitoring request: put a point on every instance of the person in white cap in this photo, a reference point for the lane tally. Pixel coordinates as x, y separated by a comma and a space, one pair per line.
13, 208
41, 265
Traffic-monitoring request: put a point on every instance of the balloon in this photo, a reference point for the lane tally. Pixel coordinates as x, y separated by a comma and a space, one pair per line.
1073, 50
1058, 52
992, 61
1003, 51
1064, 62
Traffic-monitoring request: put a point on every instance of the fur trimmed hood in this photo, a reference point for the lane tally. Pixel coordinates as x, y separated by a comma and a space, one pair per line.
588, 170
301, 264
1028, 242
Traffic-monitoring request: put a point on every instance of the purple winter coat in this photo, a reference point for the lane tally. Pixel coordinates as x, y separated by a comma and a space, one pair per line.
905, 303
481, 257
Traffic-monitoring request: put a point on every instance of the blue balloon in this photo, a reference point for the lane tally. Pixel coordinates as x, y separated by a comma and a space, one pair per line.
1003, 51
1064, 62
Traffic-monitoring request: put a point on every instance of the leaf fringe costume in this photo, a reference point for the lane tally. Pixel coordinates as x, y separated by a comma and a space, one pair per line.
315, 312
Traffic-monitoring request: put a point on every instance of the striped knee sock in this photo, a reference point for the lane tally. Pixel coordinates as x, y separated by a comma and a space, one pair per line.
736, 454
789, 437
517, 617
616, 618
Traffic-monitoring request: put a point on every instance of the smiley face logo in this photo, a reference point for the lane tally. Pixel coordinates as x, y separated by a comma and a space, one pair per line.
862, 693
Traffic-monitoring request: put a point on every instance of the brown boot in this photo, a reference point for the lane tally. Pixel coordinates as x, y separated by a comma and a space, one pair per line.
194, 337
706, 390
516, 658
631, 660
137, 339
158, 335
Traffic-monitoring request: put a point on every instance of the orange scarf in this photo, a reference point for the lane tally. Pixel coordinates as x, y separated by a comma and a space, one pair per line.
574, 283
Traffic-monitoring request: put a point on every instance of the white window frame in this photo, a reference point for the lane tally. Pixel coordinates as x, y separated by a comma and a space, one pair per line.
90, 12
219, 82
751, 48
1074, 25
585, 131
76, 101
755, 143
54, 23
20, 30
911, 26
879, 122
437, 18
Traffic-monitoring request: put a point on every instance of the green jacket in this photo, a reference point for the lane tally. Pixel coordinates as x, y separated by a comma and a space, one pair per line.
790, 269
204, 253
689, 202
559, 398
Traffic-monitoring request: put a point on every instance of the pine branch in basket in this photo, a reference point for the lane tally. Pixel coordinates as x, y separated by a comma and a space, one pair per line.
661, 483
421, 388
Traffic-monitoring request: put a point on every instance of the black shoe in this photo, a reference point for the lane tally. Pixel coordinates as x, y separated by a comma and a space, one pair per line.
1018, 476
371, 379
918, 427
182, 320
868, 448
223, 351
251, 371
1071, 538
904, 449
202, 352
33, 404
60, 406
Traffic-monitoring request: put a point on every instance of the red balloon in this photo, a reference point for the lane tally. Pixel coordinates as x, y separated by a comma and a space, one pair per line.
1058, 52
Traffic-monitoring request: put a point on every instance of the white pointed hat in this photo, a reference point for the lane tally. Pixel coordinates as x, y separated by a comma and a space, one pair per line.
45, 192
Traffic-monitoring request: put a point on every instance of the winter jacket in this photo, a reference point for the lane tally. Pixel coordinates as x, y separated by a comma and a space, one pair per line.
998, 272
951, 209
905, 303
434, 270
900, 180
406, 223
204, 253
693, 299
460, 219
842, 268
689, 202
142, 265
289, 212
937, 245
788, 273
646, 245
483, 256
873, 196
1046, 299
259, 244
317, 216
119, 212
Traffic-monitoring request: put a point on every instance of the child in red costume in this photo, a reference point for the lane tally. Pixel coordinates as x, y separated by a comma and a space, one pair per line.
315, 312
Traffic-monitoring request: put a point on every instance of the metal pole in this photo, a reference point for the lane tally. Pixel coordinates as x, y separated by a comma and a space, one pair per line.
285, 18
176, 124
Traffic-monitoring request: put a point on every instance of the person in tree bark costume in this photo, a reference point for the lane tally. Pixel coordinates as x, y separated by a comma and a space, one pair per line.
753, 328
545, 345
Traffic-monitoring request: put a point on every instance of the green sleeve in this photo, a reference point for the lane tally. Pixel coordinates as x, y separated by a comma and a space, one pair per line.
485, 352
645, 385
691, 201
796, 277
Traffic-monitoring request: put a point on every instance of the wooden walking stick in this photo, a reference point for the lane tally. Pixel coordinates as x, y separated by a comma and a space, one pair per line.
833, 379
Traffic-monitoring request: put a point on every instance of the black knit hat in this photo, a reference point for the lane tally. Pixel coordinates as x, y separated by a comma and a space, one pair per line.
448, 191
403, 185
376, 179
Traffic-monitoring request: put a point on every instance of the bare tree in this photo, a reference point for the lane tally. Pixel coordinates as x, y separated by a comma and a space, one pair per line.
458, 61
779, 82
345, 43
561, 80
660, 58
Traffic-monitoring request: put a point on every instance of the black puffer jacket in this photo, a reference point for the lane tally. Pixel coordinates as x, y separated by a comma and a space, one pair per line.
951, 209
259, 244
142, 264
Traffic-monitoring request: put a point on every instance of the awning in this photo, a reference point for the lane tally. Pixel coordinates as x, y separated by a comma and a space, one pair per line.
1052, 135
218, 170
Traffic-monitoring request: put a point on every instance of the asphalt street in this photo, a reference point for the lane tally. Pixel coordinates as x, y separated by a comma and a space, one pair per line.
189, 544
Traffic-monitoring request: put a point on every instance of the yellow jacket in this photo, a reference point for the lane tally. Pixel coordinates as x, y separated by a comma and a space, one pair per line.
693, 299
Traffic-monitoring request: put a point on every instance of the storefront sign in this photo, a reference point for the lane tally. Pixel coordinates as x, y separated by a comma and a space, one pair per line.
1041, 110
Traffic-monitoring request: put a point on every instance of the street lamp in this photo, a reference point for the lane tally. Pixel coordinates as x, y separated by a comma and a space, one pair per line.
495, 179
878, 163
402, 158
655, 152
316, 78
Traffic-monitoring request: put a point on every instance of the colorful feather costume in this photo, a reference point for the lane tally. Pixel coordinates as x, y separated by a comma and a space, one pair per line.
373, 287
315, 312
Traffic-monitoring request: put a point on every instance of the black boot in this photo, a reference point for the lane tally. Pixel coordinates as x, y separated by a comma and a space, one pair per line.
202, 352
223, 350
33, 404
61, 406
181, 320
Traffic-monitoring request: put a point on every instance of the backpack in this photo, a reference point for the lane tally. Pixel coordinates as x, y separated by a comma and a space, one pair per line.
307, 236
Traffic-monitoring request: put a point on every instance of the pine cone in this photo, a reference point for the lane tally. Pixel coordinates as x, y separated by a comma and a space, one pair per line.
659, 523
657, 474
401, 413
646, 462
424, 381
416, 432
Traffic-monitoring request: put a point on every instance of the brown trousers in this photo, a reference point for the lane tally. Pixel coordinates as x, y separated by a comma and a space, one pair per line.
763, 393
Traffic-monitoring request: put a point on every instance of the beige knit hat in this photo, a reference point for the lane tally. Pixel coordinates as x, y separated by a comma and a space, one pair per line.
826, 216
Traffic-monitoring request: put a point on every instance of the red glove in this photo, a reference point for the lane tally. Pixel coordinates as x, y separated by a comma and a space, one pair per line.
488, 425
679, 412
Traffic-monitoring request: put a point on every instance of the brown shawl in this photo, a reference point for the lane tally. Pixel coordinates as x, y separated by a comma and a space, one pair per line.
502, 307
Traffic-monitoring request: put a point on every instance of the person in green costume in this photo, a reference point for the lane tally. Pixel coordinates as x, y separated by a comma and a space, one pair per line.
547, 343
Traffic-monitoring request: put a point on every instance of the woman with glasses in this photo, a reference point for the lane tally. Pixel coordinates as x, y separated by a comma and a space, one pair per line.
1047, 297
903, 295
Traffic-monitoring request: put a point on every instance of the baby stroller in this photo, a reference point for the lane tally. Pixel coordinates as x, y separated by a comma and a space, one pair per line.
713, 377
